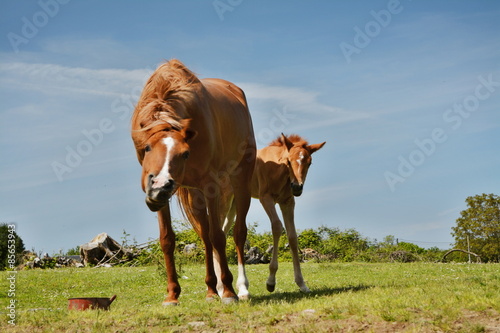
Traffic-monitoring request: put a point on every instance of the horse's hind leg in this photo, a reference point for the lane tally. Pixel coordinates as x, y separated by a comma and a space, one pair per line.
218, 240
228, 210
242, 204
230, 216
230, 206
200, 223
242, 198
287, 209
277, 228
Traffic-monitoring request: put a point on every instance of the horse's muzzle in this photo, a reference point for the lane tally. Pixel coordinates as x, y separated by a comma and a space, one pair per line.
157, 197
297, 189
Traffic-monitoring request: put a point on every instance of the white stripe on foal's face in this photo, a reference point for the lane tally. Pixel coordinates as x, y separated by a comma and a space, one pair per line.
300, 159
164, 174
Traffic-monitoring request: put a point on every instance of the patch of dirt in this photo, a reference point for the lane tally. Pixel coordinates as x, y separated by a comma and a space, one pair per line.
485, 321
310, 321
341, 325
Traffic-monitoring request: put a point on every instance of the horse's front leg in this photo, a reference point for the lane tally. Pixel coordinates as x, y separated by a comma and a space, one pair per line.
277, 228
287, 209
167, 242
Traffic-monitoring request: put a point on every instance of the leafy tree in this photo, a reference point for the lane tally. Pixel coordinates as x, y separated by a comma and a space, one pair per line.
481, 224
16, 244
74, 251
389, 240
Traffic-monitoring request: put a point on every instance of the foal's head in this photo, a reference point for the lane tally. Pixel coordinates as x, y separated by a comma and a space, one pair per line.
163, 166
299, 160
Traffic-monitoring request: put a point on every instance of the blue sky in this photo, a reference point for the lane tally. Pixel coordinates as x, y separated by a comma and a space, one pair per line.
405, 93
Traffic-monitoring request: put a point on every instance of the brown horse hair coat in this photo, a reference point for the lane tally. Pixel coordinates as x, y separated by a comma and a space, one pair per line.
194, 138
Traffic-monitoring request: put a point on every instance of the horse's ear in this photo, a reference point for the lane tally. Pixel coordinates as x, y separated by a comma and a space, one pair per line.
286, 142
187, 132
315, 147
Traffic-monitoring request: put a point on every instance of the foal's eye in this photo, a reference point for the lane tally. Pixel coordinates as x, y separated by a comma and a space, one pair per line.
185, 155
147, 148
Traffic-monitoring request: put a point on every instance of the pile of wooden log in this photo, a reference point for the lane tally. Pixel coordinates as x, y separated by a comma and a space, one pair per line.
104, 251
255, 256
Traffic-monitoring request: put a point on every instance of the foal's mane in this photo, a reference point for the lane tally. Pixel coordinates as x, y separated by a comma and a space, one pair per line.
294, 138
161, 105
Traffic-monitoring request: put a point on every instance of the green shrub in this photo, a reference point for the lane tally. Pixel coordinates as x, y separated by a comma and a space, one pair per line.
11, 246
332, 244
309, 238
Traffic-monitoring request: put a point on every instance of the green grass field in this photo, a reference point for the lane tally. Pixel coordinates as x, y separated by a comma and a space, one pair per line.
418, 297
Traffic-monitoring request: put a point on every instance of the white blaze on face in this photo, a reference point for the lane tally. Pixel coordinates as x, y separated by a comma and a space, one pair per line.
164, 174
299, 160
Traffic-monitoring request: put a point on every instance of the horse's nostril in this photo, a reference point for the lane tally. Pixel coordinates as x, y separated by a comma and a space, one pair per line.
169, 185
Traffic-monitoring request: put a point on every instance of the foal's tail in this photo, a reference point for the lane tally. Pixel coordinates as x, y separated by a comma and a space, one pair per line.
186, 204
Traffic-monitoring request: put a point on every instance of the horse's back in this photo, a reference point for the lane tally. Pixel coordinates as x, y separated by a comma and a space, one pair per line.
209, 82
229, 109
225, 92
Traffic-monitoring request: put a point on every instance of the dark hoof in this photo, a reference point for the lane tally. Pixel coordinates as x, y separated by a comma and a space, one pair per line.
270, 287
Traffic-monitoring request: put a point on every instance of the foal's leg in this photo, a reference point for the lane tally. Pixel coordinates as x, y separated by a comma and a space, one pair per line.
277, 228
287, 209
167, 242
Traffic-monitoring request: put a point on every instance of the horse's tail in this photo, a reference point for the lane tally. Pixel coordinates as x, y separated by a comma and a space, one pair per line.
186, 204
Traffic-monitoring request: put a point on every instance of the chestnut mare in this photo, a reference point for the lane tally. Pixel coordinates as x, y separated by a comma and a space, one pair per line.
193, 137
280, 172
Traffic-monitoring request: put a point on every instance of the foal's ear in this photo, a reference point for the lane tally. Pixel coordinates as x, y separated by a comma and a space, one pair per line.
286, 142
315, 147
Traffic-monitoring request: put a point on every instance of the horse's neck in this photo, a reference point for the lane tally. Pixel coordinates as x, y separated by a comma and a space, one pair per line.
282, 158
279, 158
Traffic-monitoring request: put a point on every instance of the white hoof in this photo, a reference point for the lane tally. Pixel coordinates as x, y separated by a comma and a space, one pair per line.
244, 296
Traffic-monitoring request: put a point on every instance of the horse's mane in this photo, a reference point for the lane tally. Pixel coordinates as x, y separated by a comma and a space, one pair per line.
162, 102
294, 138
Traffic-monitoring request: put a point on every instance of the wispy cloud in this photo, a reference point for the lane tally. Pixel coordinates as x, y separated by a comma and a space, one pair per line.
68, 82
59, 80
55, 132
303, 103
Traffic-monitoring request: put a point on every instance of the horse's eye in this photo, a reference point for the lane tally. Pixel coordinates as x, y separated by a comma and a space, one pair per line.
147, 148
185, 155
